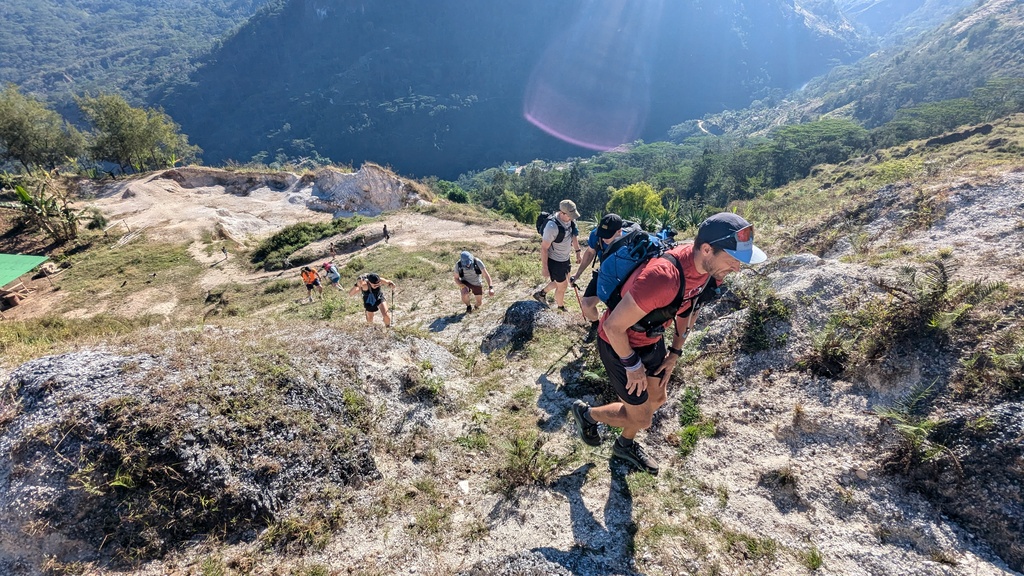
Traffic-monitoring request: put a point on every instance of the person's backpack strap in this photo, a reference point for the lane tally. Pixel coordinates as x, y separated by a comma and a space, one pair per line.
711, 291
656, 318
561, 230
476, 268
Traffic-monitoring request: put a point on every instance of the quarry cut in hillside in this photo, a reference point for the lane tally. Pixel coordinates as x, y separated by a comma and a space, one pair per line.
187, 202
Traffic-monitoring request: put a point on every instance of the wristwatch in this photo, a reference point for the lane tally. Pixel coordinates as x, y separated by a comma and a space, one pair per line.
676, 351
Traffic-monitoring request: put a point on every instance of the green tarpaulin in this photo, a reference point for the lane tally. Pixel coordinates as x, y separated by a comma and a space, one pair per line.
14, 265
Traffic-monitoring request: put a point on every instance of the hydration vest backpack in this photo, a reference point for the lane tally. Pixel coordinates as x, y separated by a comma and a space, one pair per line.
542, 222
653, 323
621, 258
476, 268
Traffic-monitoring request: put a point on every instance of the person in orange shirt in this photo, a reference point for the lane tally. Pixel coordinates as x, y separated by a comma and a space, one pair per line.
312, 281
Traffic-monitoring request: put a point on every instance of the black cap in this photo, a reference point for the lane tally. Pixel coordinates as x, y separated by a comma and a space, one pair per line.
609, 226
723, 230
373, 278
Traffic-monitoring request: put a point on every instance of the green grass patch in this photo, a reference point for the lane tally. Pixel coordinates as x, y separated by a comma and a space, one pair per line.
811, 558
693, 424
897, 170
116, 274
271, 252
751, 547
527, 463
765, 309
519, 265
24, 339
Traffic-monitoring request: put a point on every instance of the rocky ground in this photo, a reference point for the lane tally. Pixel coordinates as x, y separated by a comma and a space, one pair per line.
282, 446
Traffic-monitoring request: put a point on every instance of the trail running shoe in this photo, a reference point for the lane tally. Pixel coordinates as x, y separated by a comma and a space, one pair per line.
541, 297
588, 432
468, 309
636, 456
591, 334
563, 309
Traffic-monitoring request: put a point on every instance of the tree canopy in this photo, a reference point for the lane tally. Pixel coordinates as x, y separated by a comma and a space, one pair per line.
143, 139
34, 135
639, 202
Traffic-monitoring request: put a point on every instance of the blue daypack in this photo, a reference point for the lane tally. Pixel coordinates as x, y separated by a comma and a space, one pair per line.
623, 257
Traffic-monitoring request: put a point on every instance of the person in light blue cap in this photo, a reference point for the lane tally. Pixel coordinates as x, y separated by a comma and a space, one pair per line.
469, 275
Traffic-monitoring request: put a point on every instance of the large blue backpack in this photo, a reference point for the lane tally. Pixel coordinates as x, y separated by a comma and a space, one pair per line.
654, 321
621, 258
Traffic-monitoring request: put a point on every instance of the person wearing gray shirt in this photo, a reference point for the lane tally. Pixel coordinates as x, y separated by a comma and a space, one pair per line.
469, 274
558, 242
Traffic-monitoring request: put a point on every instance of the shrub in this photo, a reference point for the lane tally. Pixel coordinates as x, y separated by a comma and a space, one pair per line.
829, 352
272, 252
523, 207
693, 424
764, 308
527, 463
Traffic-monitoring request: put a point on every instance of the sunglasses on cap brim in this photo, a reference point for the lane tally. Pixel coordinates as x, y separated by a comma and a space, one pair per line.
745, 234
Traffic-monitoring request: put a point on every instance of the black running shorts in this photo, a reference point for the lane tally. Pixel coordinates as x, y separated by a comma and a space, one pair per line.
652, 356
559, 270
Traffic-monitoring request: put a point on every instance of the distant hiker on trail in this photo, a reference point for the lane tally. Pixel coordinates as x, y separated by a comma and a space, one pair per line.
469, 274
332, 274
559, 240
665, 290
311, 280
611, 228
224, 251
332, 250
373, 296
387, 235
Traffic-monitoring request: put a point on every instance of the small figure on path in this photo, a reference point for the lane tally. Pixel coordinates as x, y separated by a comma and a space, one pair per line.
332, 274
558, 242
469, 274
610, 229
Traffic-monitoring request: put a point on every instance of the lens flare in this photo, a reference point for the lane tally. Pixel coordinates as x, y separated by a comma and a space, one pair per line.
591, 87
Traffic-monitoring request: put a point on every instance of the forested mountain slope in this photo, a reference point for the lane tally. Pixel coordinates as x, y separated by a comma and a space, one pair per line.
440, 88
979, 46
962, 54
59, 48
895, 19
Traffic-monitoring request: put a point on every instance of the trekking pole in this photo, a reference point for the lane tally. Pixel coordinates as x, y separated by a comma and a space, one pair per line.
576, 289
393, 307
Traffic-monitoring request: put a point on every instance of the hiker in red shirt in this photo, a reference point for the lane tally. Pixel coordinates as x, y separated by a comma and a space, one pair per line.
631, 342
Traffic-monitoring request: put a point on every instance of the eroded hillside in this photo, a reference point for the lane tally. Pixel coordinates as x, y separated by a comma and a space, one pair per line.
850, 407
